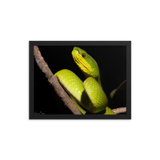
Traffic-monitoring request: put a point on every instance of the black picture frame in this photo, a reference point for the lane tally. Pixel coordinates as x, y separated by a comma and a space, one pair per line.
127, 42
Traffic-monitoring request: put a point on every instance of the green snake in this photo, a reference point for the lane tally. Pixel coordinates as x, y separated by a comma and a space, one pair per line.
88, 95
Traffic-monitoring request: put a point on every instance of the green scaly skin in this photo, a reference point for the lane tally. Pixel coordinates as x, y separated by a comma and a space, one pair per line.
89, 94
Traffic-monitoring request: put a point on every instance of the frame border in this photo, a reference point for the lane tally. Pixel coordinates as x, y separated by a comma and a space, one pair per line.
33, 115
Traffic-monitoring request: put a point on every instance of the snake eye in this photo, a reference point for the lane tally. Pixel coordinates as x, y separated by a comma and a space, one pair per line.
83, 54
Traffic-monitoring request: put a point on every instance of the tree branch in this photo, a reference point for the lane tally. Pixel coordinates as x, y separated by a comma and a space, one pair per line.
58, 88
55, 83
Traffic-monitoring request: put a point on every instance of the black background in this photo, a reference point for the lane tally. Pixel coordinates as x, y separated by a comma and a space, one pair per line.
112, 64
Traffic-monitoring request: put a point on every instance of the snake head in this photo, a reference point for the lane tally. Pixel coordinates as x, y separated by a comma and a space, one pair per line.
86, 63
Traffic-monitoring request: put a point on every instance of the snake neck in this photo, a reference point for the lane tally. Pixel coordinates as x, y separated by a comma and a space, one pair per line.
98, 79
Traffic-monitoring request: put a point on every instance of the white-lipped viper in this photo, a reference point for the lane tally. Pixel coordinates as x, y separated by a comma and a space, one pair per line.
88, 95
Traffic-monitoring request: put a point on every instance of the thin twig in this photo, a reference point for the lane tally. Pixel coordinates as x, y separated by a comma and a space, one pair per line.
55, 83
120, 110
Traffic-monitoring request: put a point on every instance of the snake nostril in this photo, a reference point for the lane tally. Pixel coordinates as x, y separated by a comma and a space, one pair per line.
77, 51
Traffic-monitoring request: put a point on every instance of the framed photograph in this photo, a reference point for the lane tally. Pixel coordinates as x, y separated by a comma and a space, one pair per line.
80, 80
